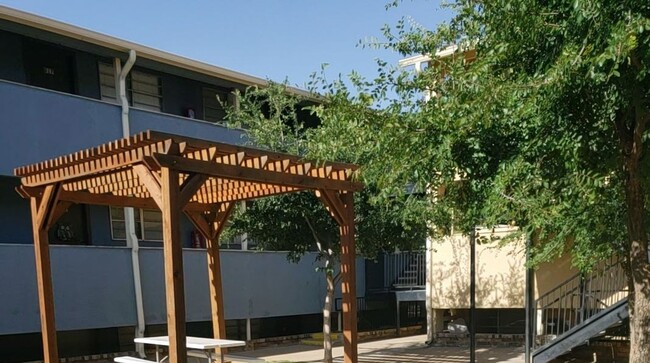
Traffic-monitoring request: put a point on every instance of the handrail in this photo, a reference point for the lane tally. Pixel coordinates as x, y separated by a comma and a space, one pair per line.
405, 269
576, 300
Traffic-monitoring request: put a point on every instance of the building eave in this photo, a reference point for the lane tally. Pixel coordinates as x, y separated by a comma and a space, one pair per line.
120, 45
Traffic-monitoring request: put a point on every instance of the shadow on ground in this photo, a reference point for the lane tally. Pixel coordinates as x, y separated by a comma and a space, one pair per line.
433, 355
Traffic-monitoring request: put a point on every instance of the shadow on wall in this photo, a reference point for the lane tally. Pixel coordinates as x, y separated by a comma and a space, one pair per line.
500, 275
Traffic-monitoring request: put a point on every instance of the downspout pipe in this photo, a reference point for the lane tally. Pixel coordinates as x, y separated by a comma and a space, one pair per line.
129, 215
126, 129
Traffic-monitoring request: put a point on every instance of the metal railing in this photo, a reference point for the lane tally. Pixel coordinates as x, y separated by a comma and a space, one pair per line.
405, 269
576, 300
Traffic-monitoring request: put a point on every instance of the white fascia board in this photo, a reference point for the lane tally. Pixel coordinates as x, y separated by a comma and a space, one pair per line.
106, 41
425, 58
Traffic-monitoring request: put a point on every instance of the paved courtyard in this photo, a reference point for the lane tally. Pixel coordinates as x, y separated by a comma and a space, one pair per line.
407, 350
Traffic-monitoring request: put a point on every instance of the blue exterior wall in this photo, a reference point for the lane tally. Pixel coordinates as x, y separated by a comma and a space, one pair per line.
89, 288
147, 120
40, 124
93, 286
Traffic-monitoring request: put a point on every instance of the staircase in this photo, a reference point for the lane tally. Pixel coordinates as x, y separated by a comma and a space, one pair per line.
578, 310
405, 270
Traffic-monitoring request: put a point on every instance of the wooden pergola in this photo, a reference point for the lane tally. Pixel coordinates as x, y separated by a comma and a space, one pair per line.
180, 175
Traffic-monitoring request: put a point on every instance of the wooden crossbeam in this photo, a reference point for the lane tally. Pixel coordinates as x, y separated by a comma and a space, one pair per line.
253, 175
104, 199
150, 180
258, 194
190, 186
333, 204
47, 205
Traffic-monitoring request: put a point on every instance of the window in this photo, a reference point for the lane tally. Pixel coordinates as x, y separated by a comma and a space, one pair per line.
148, 224
107, 82
142, 89
213, 110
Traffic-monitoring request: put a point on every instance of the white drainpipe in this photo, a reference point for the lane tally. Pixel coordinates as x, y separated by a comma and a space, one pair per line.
129, 215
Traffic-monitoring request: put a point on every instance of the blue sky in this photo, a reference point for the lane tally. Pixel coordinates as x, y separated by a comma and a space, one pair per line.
272, 39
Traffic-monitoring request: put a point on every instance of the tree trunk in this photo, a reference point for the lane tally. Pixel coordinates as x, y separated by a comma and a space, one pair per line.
327, 318
638, 268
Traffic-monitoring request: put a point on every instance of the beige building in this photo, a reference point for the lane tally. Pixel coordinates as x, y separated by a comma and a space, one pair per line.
500, 281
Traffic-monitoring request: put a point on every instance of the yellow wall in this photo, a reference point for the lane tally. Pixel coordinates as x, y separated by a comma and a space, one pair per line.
549, 275
500, 273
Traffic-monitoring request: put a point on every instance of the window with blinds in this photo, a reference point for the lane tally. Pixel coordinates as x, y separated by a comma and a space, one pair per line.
148, 224
143, 90
213, 110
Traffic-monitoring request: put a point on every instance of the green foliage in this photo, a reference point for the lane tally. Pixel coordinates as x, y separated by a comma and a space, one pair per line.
270, 116
298, 222
526, 133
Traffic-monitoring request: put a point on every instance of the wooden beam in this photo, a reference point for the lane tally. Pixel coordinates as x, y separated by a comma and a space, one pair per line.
173, 254
221, 217
41, 213
198, 220
348, 280
82, 197
190, 187
151, 182
47, 205
333, 204
254, 175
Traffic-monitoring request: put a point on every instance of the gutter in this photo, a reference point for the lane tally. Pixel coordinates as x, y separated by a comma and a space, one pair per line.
109, 42
129, 214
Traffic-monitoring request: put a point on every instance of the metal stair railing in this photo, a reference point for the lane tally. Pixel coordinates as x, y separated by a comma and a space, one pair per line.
576, 300
405, 269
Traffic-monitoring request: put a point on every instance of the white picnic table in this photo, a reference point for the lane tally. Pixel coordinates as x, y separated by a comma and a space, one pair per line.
205, 346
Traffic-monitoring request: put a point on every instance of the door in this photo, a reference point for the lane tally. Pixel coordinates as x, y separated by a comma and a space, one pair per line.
48, 66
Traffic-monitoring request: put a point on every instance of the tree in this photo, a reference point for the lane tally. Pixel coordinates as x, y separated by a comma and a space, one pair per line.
546, 128
298, 222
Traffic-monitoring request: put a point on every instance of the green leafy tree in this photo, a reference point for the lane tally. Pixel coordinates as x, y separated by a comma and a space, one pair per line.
299, 223
539, 118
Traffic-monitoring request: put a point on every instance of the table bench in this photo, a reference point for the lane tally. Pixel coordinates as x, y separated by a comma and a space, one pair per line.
195, 345
127, 359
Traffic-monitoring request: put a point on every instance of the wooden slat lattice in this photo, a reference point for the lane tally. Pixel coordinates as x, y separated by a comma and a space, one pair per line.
107, 170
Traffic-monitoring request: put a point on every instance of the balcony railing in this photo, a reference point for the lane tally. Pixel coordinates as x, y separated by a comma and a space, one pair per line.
39, 124
404, 270
578, 299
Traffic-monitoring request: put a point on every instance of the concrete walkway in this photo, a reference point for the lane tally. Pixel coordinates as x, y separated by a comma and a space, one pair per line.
399, 350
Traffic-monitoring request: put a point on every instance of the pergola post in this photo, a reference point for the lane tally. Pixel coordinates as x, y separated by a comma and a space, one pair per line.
43, 212
210, 227
173, 255
341, 207
348, 279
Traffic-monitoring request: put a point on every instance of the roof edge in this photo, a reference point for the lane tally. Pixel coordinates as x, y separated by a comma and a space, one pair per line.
110, 42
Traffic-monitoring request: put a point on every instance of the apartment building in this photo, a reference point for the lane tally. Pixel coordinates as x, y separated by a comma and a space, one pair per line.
59, 93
